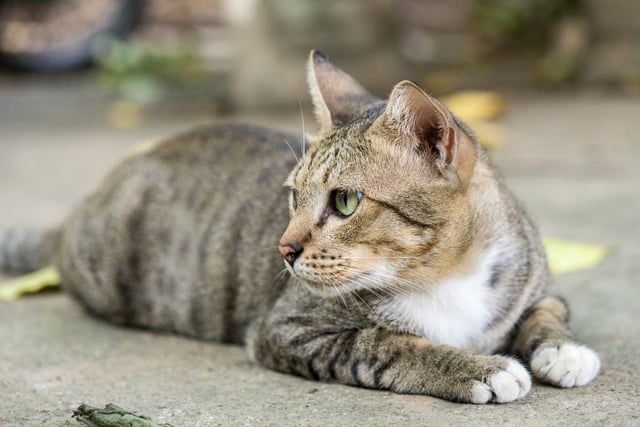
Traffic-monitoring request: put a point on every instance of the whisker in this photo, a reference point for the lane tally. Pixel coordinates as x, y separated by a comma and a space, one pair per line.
291, 149
280, 274
382, 257
393, 286
303, 142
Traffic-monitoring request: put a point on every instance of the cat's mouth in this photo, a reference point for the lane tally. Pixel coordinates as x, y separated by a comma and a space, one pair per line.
333, 286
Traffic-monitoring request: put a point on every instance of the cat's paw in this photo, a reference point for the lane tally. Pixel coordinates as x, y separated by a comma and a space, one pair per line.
507, 385
568, 365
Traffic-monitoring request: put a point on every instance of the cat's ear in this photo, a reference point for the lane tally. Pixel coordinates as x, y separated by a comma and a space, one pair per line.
423, 122
336, 96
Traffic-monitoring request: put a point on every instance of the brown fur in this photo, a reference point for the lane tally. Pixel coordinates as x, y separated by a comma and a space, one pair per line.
437, 268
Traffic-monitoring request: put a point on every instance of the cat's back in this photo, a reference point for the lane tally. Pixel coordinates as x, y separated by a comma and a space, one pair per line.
184, 237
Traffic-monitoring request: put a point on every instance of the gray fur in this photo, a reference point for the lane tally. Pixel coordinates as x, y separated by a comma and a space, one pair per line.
184, 239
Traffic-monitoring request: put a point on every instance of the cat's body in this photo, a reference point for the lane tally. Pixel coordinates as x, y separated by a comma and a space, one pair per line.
409, 261
157, 223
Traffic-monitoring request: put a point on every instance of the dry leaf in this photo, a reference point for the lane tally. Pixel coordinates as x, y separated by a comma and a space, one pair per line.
476, 105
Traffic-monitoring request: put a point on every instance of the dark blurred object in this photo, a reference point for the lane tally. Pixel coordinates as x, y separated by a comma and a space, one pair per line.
60, 35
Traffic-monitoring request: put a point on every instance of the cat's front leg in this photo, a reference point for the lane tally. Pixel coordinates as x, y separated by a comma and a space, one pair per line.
544, 340
381, 359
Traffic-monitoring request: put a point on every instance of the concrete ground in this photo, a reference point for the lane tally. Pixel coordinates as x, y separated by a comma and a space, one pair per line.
573, 159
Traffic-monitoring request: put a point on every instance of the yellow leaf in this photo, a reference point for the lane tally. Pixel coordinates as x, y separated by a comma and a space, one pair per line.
565, 256
31, 283
476, 105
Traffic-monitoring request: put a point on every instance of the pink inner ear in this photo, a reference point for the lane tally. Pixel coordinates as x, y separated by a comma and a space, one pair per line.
422, 117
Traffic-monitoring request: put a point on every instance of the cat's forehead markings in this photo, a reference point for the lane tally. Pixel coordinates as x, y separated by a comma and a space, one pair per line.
315, 158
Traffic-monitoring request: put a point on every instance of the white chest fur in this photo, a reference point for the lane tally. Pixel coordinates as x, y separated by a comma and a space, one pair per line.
455, 312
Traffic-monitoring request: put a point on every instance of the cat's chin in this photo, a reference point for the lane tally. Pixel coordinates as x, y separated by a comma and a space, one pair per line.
320, 288
330, 290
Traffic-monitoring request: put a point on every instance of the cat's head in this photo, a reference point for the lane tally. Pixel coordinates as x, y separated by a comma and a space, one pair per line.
379, 200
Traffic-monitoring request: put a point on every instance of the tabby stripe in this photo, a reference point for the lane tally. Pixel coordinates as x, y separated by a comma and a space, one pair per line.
513, 298
293, 368
304, 339
295, 320
229, 294
380, 370
312, 158
312, 371
326, 154
343, 346
320, 352
404, 217
355, 375
497, 271
135, 263
196, 310
323, 160
327, 173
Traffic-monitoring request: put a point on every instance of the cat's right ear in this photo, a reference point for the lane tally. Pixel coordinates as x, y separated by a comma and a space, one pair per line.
422, 122
337, 97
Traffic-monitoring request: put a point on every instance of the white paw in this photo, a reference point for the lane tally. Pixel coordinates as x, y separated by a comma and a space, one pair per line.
505, 386
569, 365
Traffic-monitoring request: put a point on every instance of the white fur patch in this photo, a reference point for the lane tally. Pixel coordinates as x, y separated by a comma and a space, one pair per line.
454, 312
569, 365
505, 386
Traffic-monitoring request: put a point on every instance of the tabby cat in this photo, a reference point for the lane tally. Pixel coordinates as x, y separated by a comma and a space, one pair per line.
408, 263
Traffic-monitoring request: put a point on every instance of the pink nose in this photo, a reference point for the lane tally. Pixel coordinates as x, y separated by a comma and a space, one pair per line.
290, 252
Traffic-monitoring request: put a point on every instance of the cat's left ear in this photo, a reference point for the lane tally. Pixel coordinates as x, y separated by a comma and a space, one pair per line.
426, 125
337, 97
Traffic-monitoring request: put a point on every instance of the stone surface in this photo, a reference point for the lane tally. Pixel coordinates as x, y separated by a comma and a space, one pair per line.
571, 158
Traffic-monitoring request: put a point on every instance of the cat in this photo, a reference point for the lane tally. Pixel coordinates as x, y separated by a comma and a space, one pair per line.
408, 265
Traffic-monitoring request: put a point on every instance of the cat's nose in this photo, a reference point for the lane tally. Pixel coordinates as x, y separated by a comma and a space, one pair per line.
290, 252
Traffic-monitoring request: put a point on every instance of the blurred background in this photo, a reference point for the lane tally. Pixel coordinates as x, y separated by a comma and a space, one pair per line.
239, 54
550, 86
81, 81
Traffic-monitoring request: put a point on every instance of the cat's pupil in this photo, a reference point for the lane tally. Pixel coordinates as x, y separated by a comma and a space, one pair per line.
294, 199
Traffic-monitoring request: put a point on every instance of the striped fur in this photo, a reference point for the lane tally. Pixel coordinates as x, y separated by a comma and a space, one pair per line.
436, 270
23, 250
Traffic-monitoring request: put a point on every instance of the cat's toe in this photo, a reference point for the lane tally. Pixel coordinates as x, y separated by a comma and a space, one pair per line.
569, 365
512, 383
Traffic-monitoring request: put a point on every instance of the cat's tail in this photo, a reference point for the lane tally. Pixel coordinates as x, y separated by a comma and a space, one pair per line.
23, 250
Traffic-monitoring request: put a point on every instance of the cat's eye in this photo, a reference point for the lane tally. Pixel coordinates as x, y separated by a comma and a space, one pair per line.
346, 201
294, 199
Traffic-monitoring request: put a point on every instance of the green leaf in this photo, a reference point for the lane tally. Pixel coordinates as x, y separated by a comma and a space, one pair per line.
112, 416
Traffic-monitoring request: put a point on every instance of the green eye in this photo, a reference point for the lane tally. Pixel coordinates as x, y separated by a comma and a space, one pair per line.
347, 201
294, 199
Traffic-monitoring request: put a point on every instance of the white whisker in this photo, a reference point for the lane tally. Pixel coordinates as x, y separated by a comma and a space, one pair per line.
303, 142
291, 149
